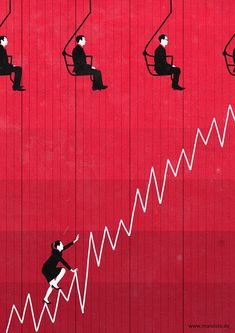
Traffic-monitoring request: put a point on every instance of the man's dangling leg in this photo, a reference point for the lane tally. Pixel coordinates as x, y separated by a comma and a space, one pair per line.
176, 75
18, 75
97, 80
175, 81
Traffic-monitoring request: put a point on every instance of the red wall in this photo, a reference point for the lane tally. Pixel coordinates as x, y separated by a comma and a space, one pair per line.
71, 160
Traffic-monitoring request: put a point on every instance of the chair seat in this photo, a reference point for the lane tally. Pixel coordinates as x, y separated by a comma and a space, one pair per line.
153, 72
82, 74
157, 74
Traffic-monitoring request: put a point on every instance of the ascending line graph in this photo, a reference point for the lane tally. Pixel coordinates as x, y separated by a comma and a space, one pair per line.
128, 230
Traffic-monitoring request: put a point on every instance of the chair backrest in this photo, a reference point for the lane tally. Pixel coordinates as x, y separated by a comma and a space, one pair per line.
229, 63
149, 61
150, 64
70, 65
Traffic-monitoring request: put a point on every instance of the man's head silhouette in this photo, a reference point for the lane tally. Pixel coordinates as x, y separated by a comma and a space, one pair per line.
3, 40
163, 40
80, 39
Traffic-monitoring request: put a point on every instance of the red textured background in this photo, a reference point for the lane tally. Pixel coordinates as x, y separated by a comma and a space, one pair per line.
71, 160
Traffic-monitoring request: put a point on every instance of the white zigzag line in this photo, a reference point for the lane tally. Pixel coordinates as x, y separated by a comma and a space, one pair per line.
144, 203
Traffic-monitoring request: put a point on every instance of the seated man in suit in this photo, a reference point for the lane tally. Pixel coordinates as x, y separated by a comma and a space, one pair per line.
6, 68
161, 65
81, 66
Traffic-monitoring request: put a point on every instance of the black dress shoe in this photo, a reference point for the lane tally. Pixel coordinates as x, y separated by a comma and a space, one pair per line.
101, 88
178, 88
20, 88
47, 302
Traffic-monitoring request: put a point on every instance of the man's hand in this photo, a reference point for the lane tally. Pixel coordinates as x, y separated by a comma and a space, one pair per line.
74, 270
173, 65
76, 239
92, 67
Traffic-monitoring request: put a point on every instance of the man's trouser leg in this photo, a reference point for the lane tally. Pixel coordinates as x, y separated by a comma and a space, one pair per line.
18, 74
174, 71
176, 75
97, 79
97, 76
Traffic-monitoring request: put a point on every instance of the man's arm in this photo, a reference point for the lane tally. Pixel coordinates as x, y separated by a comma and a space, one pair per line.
79, 57
3, 58
160, 57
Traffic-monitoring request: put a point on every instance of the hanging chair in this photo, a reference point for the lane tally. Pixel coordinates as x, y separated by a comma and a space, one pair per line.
70, 65
150, 64
68, 59
149, 58
229, 58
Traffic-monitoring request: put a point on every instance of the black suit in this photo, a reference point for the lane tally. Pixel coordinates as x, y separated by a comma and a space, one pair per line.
81, 67
49, 268
162, 67
7, 69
